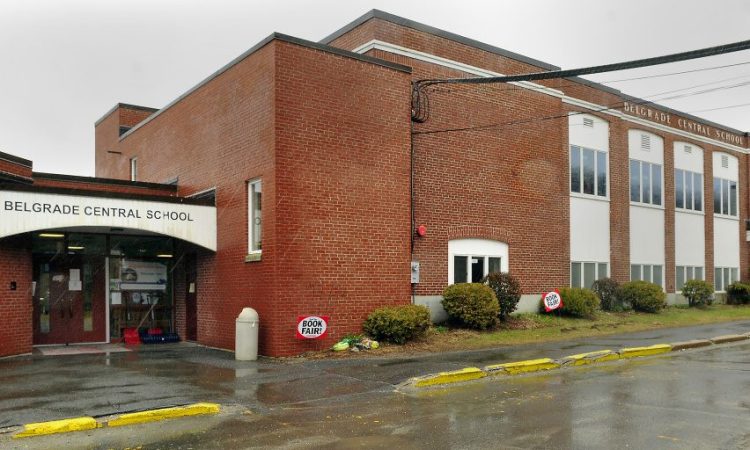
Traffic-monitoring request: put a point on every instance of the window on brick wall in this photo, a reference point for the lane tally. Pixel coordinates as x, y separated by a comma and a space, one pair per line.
470, 260
724, 276
254, 232
645, 182
133, 169
588, 171
584, 273
647, 272
686, 273
725, 197
688, 187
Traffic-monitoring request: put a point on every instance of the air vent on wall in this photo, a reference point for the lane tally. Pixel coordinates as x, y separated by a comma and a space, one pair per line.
725, 161
645, 142
688, 149
588, 122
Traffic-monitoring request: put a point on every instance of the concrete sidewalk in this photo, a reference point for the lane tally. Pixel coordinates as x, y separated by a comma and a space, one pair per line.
40, 388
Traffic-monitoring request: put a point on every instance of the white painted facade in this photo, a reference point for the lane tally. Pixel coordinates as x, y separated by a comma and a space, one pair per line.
726, 228
690, 237
589, 214
647, 241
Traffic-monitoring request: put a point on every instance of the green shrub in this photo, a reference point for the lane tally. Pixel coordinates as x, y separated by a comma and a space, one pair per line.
643, 296
698, 292
506, 289
579, 302
473, 305
398, 324
607, 289
738, 293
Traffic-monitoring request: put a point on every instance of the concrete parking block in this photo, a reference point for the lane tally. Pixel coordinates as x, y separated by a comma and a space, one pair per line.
695, 343
728, 338
514, 368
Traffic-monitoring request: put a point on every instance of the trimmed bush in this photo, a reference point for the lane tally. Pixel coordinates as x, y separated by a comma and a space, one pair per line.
472, 305
607, 289
698, 292
578, 302
643, 296
506, 289
738, 293
398, 324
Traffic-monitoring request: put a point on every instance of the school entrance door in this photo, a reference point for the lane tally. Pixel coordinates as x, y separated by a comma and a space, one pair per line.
69, 299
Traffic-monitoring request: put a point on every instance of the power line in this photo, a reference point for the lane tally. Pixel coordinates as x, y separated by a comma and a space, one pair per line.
684, 56
613, 106
719, 108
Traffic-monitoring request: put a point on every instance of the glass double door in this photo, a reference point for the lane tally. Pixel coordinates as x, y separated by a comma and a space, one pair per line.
69, 299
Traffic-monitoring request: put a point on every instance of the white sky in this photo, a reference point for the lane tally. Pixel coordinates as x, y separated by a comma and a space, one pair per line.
64, 63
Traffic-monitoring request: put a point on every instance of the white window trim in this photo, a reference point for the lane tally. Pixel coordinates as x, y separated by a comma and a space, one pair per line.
486, 265
474, 247
727, 216
597, 276
677, 266
651, 188
703, 193
596, 173
250, 221
725, 284
663, 274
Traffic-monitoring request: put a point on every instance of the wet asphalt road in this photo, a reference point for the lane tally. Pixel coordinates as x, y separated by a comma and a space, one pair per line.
693, 399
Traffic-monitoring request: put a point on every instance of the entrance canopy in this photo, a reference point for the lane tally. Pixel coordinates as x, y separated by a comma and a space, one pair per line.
24, 211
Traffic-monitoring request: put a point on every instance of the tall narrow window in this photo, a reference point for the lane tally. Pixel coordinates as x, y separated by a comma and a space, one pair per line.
254, 216
645, 182
588, 171
133, 169
725, 197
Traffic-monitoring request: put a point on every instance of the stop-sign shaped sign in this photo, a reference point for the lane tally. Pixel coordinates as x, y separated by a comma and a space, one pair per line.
312, 327
552, 300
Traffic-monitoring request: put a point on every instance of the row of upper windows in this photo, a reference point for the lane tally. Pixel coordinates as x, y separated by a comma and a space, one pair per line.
588, 176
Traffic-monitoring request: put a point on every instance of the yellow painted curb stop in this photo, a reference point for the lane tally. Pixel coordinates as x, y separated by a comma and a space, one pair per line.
634, 352
57, 426
583, 359
456, 376
531, 365
154, 415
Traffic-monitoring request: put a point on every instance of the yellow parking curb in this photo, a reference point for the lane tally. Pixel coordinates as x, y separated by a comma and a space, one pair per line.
635, 352
154, 415
456, 376
57, 426
583, 359
531, 365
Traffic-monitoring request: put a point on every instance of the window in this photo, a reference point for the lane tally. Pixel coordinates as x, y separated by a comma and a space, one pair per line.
688, 187
686, 273
472, 268
645, 182
254, 216
588, 171
724, 276
646, 272
583, 274
725, 197
133, 169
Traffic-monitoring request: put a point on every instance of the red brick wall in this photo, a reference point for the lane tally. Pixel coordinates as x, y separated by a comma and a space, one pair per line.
92, 185
130, 117
15, 306
15, 169
343, 220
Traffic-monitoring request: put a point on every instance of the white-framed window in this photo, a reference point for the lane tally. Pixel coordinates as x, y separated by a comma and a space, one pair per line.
588, 171
645, 182
725, 197
724, 276
470, 260
688, 187
686, 273
653, 273
254, 216
584, 273
133, 169
472, 268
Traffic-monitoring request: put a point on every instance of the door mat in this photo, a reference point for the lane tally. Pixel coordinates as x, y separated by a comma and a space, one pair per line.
81, 350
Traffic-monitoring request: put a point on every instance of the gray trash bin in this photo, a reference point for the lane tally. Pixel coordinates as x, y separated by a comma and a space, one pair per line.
246, 335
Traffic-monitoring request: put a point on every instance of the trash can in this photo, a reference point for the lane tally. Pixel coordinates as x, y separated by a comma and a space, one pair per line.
246, 335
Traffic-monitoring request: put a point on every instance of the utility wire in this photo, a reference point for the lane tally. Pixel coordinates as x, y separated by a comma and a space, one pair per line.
614, 106
684, 56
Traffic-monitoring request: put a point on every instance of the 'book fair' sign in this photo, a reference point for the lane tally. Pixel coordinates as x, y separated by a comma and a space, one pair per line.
312, 327
552, 300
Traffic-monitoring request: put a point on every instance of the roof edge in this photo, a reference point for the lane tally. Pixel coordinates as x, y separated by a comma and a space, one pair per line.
97, 180
272, 37
392, 18
124, 105
16, 160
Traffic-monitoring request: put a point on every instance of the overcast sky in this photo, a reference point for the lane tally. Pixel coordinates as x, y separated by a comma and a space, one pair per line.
64, 63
